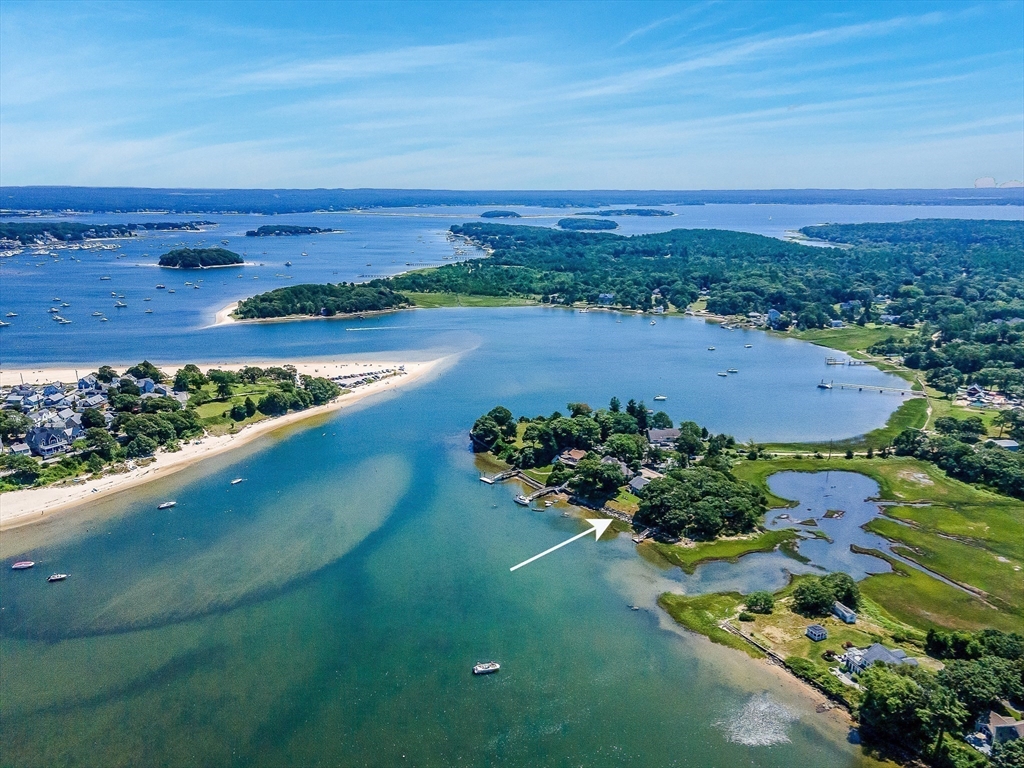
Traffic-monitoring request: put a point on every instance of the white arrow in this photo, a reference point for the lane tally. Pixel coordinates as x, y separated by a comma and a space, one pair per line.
599, 527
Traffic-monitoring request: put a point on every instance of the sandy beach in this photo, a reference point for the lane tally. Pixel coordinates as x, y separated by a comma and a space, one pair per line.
33, 505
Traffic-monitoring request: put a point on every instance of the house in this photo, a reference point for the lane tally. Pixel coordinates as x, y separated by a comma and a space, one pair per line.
88, 382
31, 401
606, 298
572, 458
773, 316
816, 632
843, 613
145, 385
663, 438
626, 471
998, 729
163, 390
47, 441
976, 391
1010, 445
837, 324
54, 389
96, 401
55, 399
21, 449
859, 659
14, 401
889, 319
637, 484
851, 305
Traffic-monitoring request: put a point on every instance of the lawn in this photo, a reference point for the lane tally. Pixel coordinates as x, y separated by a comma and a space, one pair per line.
625, 502
852, 338
688, 558
435, 300
540, 474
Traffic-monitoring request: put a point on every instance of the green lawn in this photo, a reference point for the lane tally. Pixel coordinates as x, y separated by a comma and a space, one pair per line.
540, 474
688, 558
702, 613
851, 338
435, 300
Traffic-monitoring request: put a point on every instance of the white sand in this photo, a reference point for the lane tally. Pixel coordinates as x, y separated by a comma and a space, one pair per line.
33, 505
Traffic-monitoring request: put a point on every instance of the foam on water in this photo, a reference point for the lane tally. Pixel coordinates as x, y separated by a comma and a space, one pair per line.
761, 722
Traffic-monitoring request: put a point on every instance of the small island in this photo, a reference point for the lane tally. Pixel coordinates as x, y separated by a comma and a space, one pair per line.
628, 212
587, 225
320, 301
285, 230
500, 215
200, 258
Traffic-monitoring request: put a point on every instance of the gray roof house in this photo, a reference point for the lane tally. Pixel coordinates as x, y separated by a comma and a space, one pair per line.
88, 382
96, 401
999, 729
859, 659
663, 438
843, 613
47, 441
816, 632
1010, 445
626, 471
21, 449
637, 484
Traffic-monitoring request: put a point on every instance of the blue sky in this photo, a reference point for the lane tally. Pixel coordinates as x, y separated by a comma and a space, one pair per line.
705, 95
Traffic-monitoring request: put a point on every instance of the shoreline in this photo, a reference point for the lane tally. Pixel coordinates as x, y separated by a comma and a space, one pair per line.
33, 505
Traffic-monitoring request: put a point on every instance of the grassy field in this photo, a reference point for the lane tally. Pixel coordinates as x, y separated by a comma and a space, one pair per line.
540, 474
434, 300
688, 558
625, 502
702, 614
852, 338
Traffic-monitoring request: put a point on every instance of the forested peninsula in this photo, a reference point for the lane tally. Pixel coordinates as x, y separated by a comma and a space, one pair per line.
320, 300
42, 232
285, 230
199, 258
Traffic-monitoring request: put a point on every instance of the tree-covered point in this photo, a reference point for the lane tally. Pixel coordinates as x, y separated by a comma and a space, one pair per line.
325, 300
500, 215
34, 232
628, 212
175, 226
284, 230
198, 258
581, 225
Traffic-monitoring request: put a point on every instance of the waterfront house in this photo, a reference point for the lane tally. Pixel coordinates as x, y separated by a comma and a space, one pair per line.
54, 399
54, 389
145, 385
843, 613
606, 298
88, 382
663, 438
773, 316
572, 458
625, 470
47, 441
637, 484
816, 632
859, 659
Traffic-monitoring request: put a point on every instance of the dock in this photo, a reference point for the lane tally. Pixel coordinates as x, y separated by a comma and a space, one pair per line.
872, 388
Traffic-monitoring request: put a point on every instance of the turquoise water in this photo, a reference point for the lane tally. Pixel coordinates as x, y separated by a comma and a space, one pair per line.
327, 611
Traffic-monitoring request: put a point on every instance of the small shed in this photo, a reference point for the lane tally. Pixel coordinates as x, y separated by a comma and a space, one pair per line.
816, 632
843, 613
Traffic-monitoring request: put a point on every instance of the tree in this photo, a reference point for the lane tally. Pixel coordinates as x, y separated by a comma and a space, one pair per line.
689, 442
942, 714
596, 481
579, 409
189, 378
615, 405
485, 432
812, 598
92, 417
843, 588
1009, 754
250, 374
146, 370
238, 411
13, 423
321, 390
106, 374
24, 469
760, 602
890, 708
661, 420
140, 446
101, 443
250, 407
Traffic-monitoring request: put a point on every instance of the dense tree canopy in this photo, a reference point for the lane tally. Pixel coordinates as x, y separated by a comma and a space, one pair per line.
326, 300
197, 258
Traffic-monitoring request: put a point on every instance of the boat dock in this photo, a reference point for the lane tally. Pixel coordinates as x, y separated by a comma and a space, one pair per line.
872, 388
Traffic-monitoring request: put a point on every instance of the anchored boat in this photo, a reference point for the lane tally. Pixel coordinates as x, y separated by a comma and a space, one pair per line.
167, 505
21, 565
57, 577
486, 668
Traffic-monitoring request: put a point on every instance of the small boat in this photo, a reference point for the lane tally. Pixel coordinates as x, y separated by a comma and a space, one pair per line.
65, 304
287, 263
120, 304
97, 314
486, 668
196, 286
711, 349
224, 242
237, 480
21, 565
104, 320
56, 298
57, 577
549, 503
53, 309
520, 499
732, 370
120, 295
654, 322
722, 373
64, 321
105, 277
147, 299
161, 287
171, 290
4, 324
188, 282
659, 398
12, 314
114, 294
305, 254
824, 384
167, 505
747, 346
149, 311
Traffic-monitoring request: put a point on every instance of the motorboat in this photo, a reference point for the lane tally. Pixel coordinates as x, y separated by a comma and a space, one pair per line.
287, 263
105, 277
167, 505
732, 370
170, 290
57, 577
97, 314
711, 349
747, 346
486, 668
12, 314
22, 565
149, 311
147, 299
237, 480
120, 304
722, 373
4, 324
659, 398
654, 322
160, 287
824, 384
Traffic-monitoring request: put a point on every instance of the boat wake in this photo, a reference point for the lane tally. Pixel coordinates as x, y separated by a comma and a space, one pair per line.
761, 722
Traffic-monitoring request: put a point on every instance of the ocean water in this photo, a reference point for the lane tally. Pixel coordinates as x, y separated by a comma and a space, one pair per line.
327, 611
